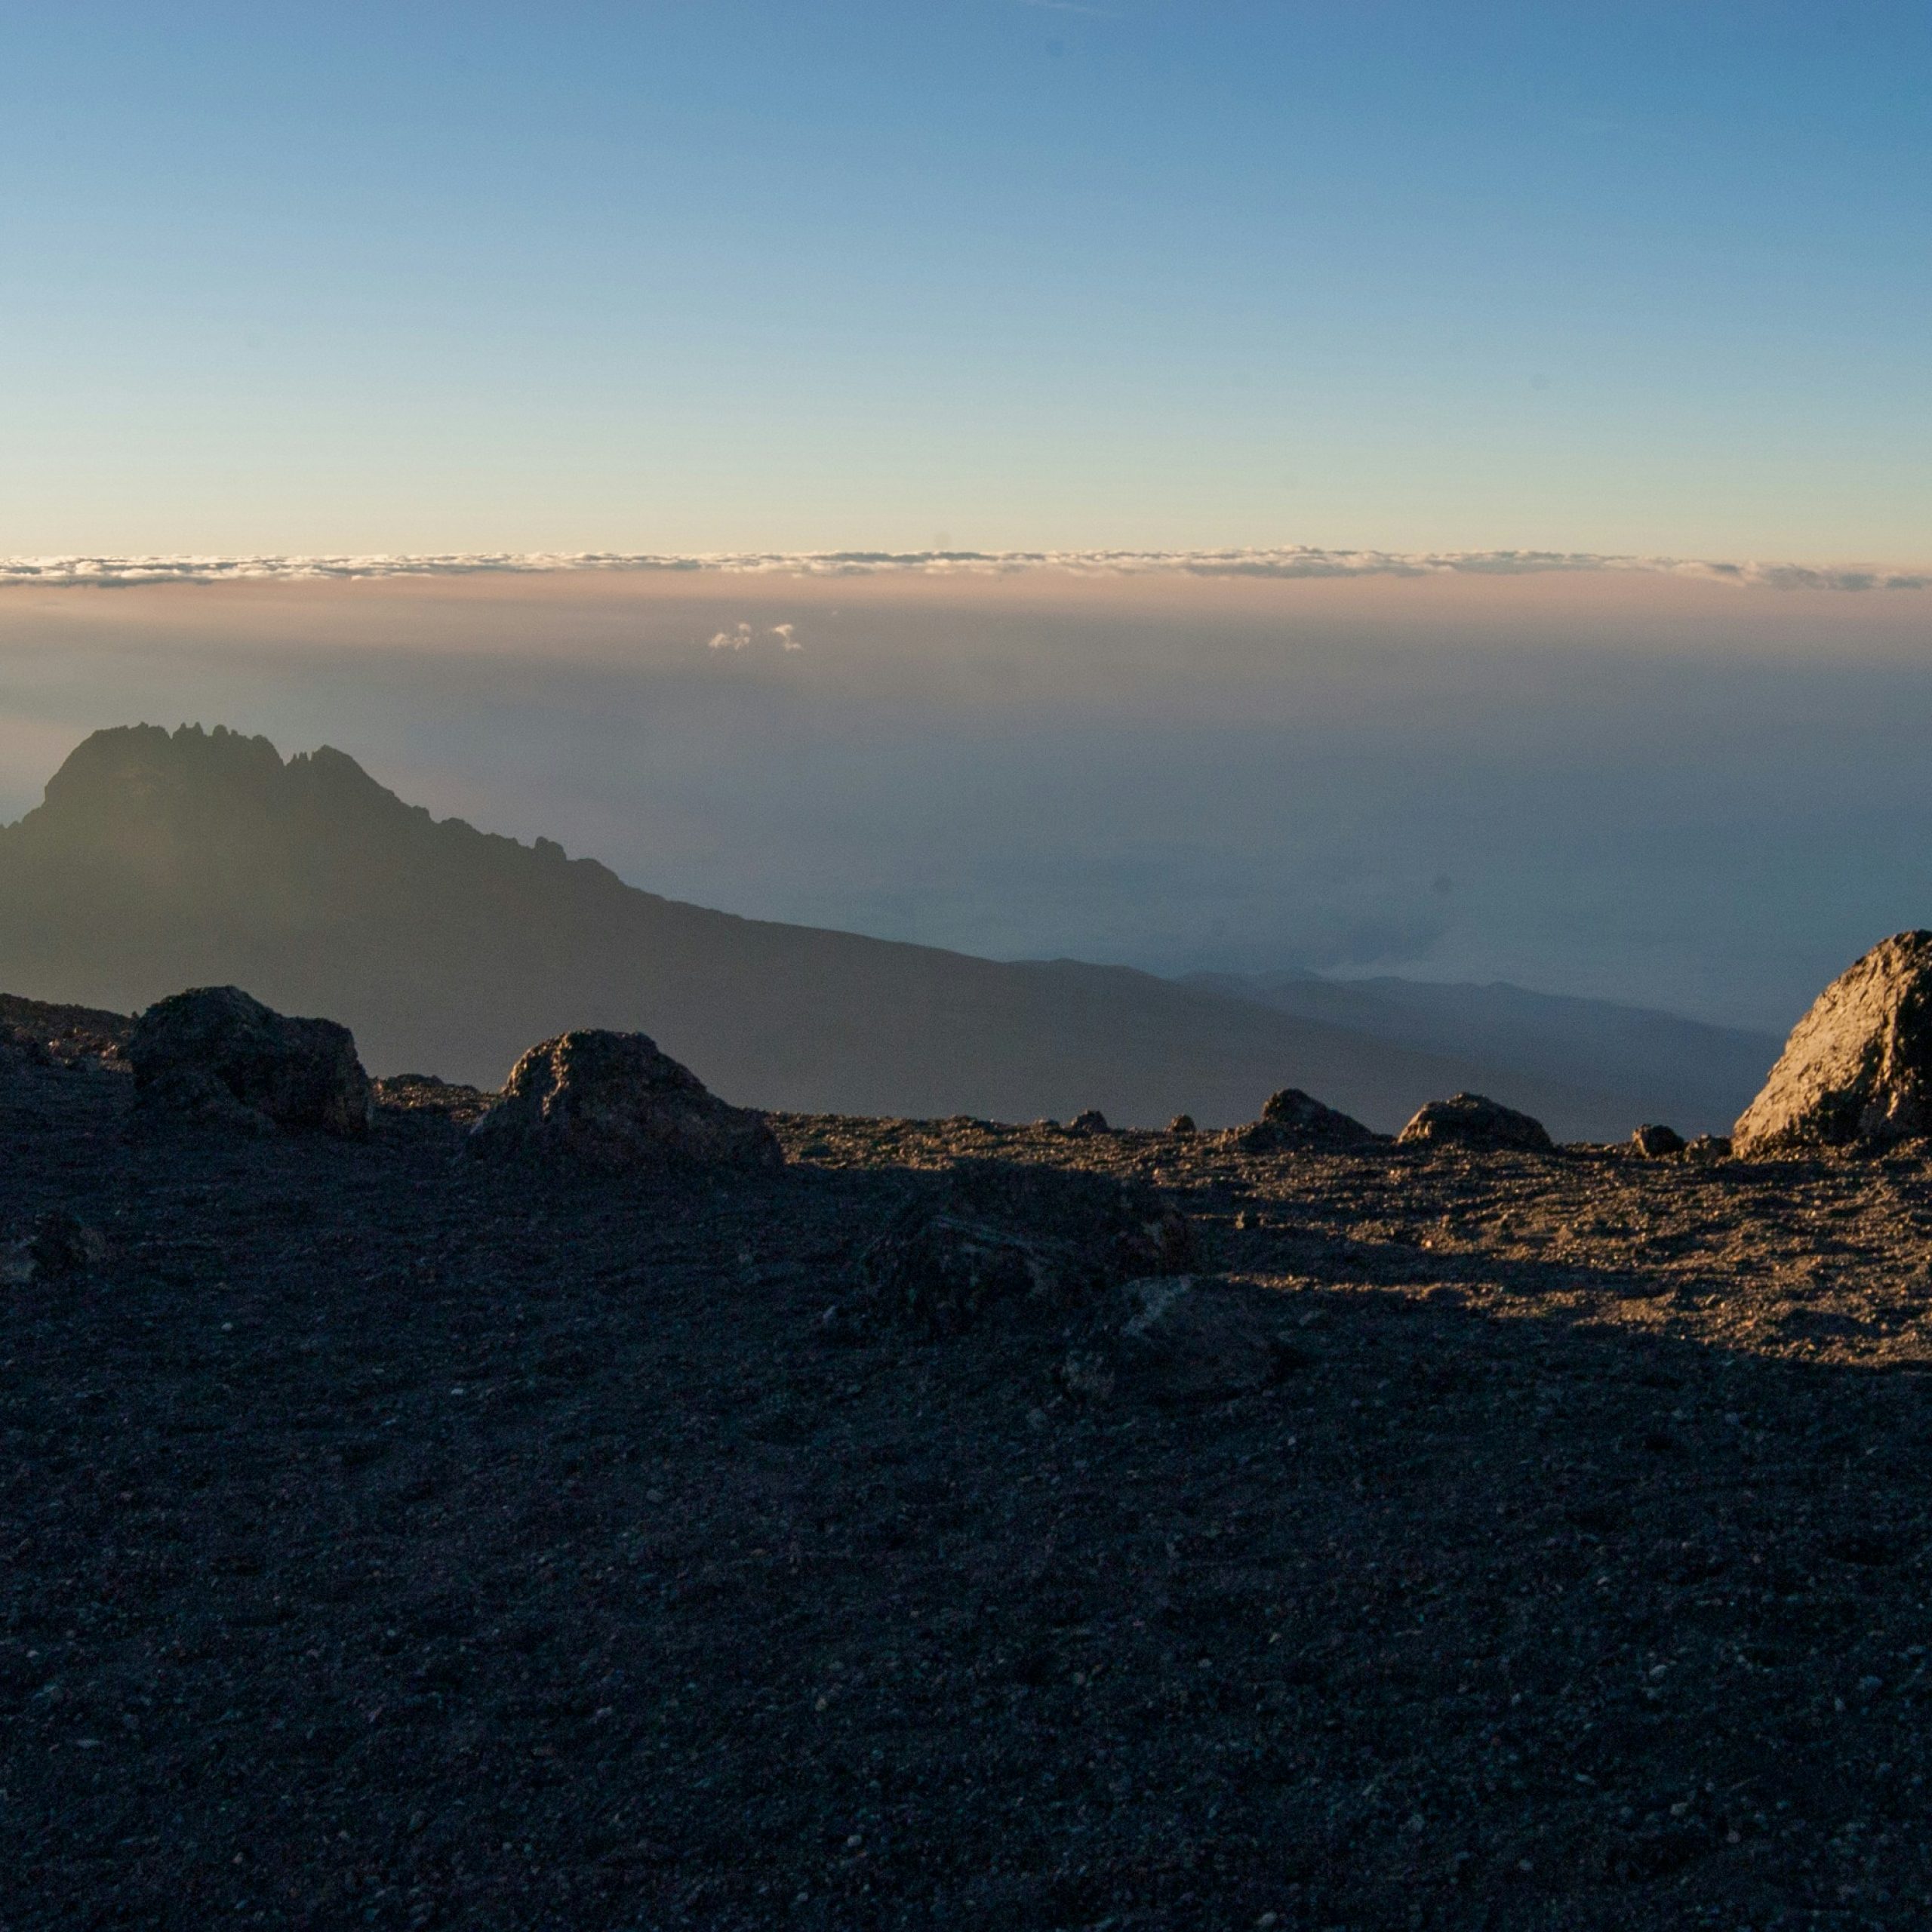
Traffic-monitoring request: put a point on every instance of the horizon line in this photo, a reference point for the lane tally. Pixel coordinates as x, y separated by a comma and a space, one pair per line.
1287, 561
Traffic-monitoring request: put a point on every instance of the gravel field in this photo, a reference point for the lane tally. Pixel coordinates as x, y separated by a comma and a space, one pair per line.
391, 1541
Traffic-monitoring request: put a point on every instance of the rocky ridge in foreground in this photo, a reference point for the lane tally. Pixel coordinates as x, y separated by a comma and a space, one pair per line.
1467, 1538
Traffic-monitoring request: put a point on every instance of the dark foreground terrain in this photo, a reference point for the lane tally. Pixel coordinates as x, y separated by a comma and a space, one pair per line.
388, 1541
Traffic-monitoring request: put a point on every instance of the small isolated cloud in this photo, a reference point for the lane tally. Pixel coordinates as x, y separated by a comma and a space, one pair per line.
741, 637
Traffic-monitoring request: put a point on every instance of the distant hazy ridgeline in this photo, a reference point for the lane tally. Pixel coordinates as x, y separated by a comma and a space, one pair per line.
162, 861
1653, 1066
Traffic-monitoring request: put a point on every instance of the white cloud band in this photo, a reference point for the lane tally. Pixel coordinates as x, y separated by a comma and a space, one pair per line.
1298, 561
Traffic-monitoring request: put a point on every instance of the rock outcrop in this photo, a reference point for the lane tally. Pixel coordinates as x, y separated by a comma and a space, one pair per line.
1654, 1141
1474, 1120
1177, 1340
1856, 1071
1294, 1119
613, 1102
1008, 1238
215, 1056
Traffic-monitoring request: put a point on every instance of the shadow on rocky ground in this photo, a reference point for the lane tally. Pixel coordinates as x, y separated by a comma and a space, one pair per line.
392, 1540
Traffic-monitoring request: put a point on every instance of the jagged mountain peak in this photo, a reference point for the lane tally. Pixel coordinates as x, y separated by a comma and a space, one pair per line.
111, 757
148, 762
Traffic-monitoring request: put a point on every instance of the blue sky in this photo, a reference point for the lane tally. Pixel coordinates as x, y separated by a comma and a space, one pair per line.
1646, 279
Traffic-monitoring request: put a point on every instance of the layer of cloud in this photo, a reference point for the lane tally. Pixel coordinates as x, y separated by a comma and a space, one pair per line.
1298, 561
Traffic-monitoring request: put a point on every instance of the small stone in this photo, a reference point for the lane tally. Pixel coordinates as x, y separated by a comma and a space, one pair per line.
63, 1245
1292, 1119
1182, 1123
1653, 1142
1091, 1121
1174, 1341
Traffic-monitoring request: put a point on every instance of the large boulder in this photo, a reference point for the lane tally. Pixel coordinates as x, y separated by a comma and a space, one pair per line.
215, 1056
1292, 1119
1009, 1239
1856, 1071
613, 1102
1474, 1120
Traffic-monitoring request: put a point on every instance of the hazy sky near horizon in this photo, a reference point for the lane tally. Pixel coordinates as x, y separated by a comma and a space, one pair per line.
1646, 282
1014, 273
1670, 790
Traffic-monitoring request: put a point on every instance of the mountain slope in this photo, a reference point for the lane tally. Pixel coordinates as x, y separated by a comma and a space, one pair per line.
1699, 1078
159, 860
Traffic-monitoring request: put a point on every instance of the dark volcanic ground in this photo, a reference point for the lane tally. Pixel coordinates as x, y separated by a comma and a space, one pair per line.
391, 1542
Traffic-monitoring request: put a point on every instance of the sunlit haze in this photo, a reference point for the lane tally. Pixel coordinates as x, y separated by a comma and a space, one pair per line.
1652, 785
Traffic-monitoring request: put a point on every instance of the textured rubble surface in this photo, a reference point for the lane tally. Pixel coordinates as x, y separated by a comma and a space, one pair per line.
395, 1540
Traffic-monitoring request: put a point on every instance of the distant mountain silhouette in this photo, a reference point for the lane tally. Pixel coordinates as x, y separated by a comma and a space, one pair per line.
162, 860
1656, 1066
